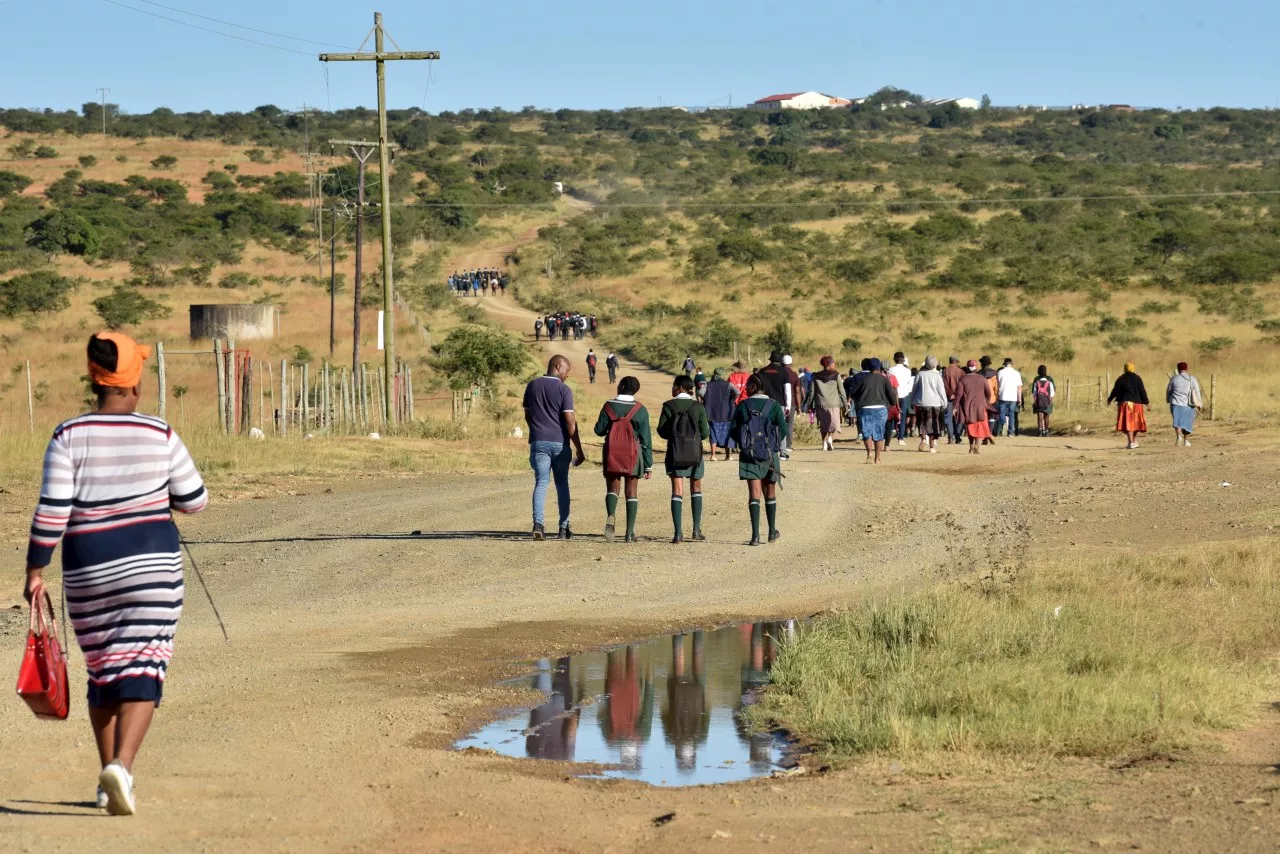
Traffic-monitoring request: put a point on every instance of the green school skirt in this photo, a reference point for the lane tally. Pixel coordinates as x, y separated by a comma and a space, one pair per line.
697, 472
760, 471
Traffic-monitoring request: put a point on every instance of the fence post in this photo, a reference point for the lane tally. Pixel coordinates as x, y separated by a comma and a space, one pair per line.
1099, 392
31, 401
409, 388
246, 395
306, 402
229, 377
1213, 396
220, 367
160, 378
1068, 393
284, 398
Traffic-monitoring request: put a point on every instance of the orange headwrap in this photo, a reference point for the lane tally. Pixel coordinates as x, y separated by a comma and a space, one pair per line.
128, 372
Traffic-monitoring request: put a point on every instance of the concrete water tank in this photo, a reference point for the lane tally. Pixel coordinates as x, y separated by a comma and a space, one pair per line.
238, 322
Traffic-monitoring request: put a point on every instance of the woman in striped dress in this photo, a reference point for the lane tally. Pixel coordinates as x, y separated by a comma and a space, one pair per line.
111, 479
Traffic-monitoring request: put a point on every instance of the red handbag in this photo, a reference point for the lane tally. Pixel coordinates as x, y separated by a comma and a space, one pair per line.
42, 679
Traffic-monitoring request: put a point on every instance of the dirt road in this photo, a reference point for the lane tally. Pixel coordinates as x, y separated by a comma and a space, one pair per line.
359, 652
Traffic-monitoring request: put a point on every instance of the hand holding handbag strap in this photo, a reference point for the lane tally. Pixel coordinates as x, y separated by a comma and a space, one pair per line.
43, 620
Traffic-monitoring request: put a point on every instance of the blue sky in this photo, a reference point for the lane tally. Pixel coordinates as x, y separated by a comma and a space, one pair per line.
575, 53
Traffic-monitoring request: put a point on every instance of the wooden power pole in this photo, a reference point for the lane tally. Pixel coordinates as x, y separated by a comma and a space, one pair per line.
380, 57
104, 92
361, 151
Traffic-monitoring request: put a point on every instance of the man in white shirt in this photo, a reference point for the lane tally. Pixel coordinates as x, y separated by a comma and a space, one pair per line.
901, 372
1009, 391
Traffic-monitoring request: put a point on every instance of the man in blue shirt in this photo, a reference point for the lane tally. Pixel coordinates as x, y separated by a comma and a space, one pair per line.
548, 410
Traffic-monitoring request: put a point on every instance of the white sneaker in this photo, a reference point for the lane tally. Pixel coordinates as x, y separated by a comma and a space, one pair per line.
117, 783
1186, 443
102, 799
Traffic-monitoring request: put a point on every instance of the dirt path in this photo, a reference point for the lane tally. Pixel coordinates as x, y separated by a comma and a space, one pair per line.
360, 652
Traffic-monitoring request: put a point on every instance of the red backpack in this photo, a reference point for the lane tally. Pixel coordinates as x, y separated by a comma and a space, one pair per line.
621, 448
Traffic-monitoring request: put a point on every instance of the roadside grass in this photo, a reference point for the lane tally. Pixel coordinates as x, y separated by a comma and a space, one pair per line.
1127, 656
234, 462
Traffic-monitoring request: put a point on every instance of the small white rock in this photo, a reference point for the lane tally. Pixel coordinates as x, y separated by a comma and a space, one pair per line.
375, 436
255, 433
517, 433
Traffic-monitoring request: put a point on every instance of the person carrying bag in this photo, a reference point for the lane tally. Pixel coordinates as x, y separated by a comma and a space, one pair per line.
42, 677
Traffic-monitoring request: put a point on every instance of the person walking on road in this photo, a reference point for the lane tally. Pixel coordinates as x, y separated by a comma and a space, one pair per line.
689, 366
591, 366
720, 402
827, 401
873, 397
951, 382
1009, 389
683, 423
1043, 391
611, 364
1130, 396
1185, 399
759, 425
930, 402
775, 381
553, 427
901, 372
628, 455
111, 480
973, 401
738, 381
537, 329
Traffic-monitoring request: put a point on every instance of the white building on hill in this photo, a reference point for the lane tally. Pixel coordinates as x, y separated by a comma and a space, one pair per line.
962, 103
800, 101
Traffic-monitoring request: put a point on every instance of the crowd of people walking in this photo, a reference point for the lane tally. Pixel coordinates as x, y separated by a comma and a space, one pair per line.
565, 325
753, 413
478, 283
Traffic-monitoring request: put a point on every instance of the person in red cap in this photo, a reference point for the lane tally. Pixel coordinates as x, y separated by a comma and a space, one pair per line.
112, 478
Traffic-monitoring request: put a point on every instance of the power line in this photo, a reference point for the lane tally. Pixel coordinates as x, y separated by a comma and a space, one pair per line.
240, 26
856, 204
208, 29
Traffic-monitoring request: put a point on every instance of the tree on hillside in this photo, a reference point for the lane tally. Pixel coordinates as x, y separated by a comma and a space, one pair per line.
39, 292
476, 355
59, 231
11, 183
742, 247
125, 306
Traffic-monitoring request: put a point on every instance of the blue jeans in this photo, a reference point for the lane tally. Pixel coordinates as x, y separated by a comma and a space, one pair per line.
1008, 415
902, 417
953, 426
550, 459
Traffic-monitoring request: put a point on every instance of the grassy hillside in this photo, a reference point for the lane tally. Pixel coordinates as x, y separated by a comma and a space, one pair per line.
1076, 238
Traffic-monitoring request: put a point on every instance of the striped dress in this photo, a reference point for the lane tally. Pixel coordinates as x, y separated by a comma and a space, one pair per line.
110, 482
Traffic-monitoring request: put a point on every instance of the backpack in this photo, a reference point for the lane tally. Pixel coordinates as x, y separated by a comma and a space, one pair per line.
684, 449
591, 360
621, 448
758, 438
1040, 393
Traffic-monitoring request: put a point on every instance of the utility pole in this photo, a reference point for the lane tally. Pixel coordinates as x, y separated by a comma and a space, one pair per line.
104, 93
380, 57
361, 150
333, 274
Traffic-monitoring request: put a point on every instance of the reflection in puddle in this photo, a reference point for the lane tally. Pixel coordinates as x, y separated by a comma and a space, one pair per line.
601, 707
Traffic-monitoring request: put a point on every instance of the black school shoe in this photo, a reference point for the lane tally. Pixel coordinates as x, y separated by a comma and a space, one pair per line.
775, 535
539, 533
698, 537
566, 533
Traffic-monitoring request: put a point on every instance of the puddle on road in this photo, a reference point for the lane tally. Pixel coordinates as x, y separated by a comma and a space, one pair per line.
664, 712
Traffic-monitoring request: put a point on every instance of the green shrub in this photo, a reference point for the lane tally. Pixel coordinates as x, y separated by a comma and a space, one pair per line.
87, 161
38, 292
126, 306
1213, 346
44, 152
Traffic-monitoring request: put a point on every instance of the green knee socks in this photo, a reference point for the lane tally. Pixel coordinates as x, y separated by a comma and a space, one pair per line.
696, 498
633, 508
754, 506
677, 515
610, 504
771, 512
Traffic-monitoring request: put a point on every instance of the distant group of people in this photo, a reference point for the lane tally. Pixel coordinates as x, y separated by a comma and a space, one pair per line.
565, 325
753, 413
477, 283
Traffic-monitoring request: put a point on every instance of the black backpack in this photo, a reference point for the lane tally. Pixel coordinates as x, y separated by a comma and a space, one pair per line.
684, 448
759, 438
